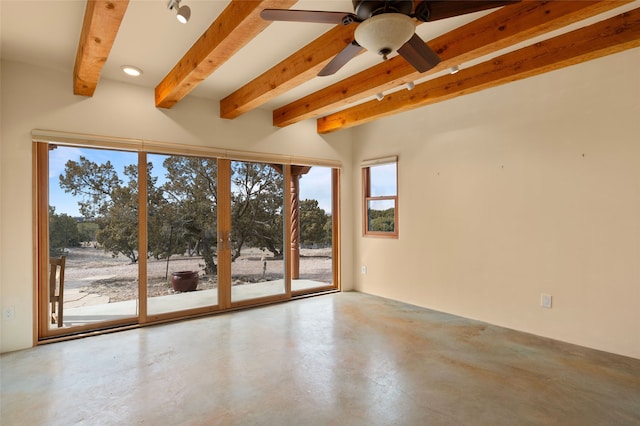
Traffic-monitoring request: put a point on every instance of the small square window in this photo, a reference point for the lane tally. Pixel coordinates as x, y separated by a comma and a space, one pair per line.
380, 183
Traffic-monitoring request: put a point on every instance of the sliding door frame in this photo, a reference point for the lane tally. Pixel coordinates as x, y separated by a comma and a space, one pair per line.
224, 234
46, 140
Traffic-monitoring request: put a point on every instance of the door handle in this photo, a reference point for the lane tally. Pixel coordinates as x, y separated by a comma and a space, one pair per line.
229, 240
224, 240
221, 240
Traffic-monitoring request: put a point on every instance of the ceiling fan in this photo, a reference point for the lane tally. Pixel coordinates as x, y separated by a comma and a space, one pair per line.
386, 26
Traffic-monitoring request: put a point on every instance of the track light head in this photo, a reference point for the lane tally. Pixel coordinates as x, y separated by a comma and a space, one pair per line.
183, 13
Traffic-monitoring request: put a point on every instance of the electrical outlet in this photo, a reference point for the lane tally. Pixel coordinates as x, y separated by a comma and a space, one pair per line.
545, 300
9, 313
364, 270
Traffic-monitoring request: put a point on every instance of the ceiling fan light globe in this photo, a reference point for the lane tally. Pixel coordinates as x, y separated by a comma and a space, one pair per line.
386, 32
184, 13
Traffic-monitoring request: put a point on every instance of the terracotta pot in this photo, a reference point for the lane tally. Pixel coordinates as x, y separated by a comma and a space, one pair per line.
184, 280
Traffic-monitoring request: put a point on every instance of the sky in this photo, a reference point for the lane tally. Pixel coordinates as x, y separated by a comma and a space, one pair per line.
314, 185
383, 179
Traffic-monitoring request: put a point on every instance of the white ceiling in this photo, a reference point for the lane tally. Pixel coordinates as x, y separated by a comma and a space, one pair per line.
46, 33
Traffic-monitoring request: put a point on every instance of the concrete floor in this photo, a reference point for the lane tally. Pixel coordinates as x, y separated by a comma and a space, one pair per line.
339, 359
105, 311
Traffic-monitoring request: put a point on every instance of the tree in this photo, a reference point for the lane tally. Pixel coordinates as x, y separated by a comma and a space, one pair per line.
119, 227
88, 230
63, 232
257, 202
328, 231
382, 220
105, 200
182, 212
191, 191
313, 221
161, 215
91, 181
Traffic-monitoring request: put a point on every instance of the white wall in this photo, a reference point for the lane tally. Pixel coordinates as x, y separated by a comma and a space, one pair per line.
39, 98
497, 202
528, 188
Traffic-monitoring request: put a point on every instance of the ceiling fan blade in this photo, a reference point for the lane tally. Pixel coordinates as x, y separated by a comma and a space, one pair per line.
432, 10
315, 16
350, 51
418, 54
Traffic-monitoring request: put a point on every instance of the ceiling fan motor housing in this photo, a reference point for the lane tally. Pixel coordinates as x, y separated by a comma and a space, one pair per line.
422, 11
368, 8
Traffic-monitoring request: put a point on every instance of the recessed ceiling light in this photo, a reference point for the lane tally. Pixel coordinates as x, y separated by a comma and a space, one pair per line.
131, 70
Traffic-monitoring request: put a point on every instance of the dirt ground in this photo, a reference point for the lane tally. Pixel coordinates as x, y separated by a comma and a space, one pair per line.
93, 271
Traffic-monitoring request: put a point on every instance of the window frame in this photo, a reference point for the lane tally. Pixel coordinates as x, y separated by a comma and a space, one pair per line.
367, 197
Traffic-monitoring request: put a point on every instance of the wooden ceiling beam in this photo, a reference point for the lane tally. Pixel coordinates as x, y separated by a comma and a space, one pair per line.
291, 72
505, 27
607, 37
101, 23
238, 24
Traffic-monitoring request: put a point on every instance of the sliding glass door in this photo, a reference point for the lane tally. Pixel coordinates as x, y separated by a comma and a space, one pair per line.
182, 213
257, 231
128, 237
312, 233
91, 256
